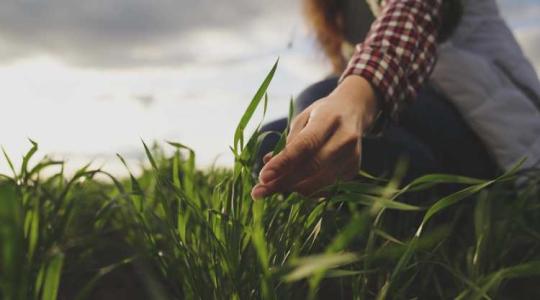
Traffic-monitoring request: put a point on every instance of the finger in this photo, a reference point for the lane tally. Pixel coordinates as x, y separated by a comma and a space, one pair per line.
259, 191
327, 175
343, 146
316, 182
298, 123
310, 138
322, 180
346, 169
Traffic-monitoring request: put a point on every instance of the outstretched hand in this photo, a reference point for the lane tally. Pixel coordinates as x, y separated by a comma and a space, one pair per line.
324, 142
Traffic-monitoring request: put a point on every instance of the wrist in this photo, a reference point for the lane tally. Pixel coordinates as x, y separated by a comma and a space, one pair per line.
360, 94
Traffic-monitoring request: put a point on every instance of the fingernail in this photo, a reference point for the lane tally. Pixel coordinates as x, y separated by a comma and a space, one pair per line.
267, 157
258, 192
267, 176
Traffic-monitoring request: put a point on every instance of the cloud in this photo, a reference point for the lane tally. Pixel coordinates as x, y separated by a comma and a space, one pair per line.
125, 34
120, 33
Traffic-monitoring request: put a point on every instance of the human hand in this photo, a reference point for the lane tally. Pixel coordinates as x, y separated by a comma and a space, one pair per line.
324, 143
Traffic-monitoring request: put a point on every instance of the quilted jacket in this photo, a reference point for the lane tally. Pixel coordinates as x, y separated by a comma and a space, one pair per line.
484, 72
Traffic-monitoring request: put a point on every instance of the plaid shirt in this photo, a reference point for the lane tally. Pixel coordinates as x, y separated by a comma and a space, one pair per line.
399, 52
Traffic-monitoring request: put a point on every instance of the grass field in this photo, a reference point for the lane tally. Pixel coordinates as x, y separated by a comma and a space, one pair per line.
177, 232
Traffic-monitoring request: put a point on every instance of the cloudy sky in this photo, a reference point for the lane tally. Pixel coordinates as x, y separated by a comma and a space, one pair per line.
88, 79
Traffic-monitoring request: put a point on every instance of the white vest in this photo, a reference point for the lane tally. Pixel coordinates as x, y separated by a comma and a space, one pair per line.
485, 74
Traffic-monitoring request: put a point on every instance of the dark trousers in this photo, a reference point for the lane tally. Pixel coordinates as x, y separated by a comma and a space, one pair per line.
431, 136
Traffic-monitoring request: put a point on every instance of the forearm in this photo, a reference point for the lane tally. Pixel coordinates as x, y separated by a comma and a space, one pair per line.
400, 51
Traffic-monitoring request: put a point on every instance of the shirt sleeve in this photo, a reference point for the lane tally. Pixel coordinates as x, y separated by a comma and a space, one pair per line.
399, 52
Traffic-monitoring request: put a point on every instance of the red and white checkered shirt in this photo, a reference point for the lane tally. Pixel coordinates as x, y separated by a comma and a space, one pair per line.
399, 52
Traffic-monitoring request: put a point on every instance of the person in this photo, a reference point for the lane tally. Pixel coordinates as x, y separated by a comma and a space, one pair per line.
474, 111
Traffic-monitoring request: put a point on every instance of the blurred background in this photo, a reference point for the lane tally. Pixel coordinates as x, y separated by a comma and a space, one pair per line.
89, 79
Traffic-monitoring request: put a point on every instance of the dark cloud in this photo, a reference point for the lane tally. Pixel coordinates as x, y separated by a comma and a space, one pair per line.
145, 100
111, 33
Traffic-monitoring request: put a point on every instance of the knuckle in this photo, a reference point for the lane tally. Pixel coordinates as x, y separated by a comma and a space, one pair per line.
285, 157
310, 141
279, 161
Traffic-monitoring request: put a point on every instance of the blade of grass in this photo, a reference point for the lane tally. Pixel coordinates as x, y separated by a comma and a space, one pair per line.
52, 277
248, 114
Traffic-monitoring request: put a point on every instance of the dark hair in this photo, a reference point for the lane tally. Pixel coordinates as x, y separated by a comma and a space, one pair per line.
325, 17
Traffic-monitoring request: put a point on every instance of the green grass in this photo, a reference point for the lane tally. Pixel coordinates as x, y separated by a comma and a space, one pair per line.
177, 232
